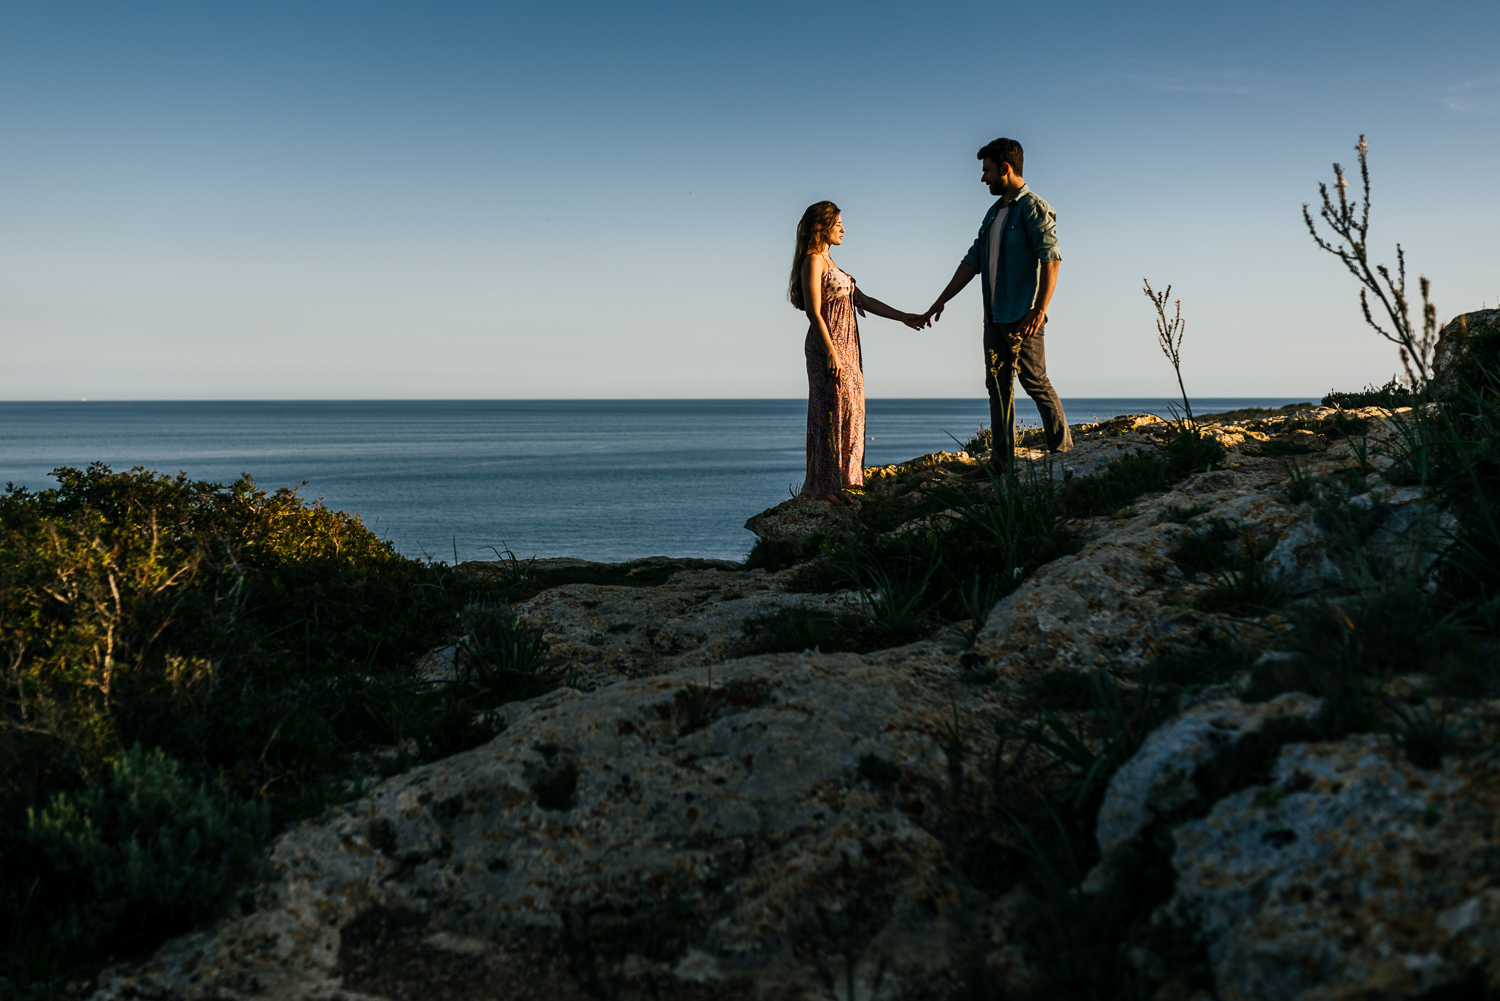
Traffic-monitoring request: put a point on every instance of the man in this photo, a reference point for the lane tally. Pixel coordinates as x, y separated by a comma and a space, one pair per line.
1016, 252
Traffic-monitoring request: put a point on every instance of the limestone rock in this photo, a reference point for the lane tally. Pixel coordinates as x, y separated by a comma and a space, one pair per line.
1168, 777
540, 574
795, 520
1104, 607
933, 460
1123, 424
1453, 342
603, 633
1353, 874
737, 809
1409, 532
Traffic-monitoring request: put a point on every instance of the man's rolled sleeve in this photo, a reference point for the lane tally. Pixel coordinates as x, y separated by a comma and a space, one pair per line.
972, 257
1041, 226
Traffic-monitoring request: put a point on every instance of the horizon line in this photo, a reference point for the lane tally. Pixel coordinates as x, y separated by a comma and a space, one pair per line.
612, 399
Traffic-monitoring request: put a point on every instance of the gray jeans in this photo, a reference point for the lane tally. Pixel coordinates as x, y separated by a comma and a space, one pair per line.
1003, 364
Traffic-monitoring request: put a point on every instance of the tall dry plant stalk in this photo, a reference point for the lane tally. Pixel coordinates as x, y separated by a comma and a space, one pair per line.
1169, 333
1351, 227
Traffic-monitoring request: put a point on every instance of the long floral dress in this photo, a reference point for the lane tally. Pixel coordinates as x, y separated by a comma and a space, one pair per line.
835, 407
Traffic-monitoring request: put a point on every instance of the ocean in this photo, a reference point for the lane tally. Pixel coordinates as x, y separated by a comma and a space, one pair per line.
463, 479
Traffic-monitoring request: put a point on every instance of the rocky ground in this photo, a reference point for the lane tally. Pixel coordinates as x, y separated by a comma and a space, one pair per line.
684, 820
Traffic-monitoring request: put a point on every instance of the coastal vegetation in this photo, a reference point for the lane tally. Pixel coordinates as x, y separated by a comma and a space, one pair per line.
188, 667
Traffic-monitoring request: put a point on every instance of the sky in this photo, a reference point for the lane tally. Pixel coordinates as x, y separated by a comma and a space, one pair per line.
325, 200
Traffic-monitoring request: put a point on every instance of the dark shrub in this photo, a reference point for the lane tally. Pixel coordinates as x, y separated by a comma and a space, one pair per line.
1391, 396
145, 853
258, 639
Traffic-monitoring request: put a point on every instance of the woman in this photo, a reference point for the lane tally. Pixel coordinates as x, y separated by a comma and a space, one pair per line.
835, 367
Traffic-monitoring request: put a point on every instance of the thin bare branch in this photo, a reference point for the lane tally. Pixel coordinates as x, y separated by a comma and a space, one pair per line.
1169, 333
1350, 225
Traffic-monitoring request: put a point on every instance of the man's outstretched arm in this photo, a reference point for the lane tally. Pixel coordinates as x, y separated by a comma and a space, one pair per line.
961, 276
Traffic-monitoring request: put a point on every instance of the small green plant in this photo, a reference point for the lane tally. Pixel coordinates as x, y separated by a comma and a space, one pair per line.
978, 598
1019, 515
982, 440
499, 652
1246, 587
1299, 488
1267, 797
1205, 549
1123, 481
515, 574
1426, 732
1173, 514
1344, 425
894, 601
1049, 778
146, 852
1192, 450
1342, 649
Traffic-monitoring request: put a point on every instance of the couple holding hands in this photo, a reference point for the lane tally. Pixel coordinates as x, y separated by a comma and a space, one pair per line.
1017, 256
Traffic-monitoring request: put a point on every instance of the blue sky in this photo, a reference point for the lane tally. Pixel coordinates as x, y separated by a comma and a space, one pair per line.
425, 200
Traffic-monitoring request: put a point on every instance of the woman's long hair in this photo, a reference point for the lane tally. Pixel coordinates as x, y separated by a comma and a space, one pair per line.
812, 232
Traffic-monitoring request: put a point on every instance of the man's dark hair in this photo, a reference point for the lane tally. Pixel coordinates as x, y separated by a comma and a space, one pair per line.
1004, 150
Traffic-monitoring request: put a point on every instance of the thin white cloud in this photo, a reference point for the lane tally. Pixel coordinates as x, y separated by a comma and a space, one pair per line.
1232, 81
1481, 95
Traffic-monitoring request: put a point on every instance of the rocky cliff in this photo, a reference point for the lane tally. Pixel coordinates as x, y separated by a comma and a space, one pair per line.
688, 818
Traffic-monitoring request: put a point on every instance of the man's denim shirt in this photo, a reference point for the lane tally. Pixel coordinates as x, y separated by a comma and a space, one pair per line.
1029, 238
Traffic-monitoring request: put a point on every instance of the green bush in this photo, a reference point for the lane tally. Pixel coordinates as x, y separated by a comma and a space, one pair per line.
982, 440
144, 853
262, 639
1391, 396
777, 554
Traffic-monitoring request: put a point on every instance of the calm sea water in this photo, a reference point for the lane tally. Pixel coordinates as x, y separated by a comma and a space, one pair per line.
604, 480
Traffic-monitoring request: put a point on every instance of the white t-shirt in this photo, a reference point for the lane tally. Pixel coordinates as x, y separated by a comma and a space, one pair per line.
995, 228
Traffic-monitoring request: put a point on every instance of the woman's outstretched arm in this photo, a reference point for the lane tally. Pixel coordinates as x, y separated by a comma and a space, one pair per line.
874, 305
